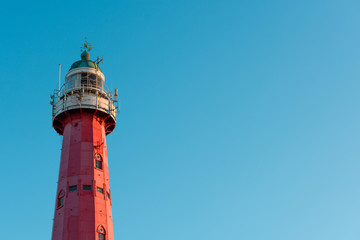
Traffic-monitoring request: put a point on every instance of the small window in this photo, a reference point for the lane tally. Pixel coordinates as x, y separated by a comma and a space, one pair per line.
100, 190
87, 187
101, 236
61, 202
60, 199
108, 195
98, 160
72, 188
101, 233
98, 164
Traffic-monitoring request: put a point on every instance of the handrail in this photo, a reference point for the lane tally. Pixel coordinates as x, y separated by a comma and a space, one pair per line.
62, 106
84, 88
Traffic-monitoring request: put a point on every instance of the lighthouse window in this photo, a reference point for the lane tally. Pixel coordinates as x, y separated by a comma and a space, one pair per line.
60, 200
100, 190
101, 233
98, 164
92, 80
98, 161
101, 236
72, 188
70, 82
87, 187
84, 79
99, 83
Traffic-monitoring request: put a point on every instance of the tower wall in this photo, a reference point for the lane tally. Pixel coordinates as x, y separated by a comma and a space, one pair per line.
83, 213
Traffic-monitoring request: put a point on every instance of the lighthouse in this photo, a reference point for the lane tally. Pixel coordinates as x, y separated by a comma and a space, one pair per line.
83, 112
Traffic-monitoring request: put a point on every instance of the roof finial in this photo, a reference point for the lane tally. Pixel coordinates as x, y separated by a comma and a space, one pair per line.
85, 46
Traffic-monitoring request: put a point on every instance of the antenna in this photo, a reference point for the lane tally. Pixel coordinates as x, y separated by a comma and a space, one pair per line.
59, 79
98, 60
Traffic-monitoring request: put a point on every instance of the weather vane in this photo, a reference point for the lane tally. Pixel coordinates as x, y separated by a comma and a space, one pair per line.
86, 46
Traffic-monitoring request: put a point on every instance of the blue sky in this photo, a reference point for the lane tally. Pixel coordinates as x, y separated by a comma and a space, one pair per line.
239, 119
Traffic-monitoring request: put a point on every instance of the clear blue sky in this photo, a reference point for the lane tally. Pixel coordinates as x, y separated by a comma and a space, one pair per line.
240, 120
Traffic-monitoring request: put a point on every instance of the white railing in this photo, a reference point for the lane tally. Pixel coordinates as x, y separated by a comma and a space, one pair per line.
96, 98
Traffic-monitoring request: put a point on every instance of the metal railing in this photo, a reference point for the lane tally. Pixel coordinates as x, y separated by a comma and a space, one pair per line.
86, 88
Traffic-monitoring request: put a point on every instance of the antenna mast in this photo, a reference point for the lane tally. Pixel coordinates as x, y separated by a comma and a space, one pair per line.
59, 79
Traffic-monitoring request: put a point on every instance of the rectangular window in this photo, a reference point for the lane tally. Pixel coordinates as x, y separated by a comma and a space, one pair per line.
84, 79
61, 202
72, 188
101, 236
87, 187
100, 190
108, 195
98, 164
92, 80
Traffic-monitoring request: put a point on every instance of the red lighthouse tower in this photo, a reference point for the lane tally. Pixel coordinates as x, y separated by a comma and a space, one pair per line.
84, 112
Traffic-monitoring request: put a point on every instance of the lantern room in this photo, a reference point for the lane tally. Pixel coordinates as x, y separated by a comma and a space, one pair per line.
84, 90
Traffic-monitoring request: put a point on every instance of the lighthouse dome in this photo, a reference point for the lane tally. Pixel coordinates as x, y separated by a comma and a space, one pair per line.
85, 62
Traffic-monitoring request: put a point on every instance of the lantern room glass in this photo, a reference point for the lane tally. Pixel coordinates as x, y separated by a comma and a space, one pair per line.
86, 80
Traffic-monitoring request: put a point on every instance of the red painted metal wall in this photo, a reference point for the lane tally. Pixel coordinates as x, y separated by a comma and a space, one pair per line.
82, 214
